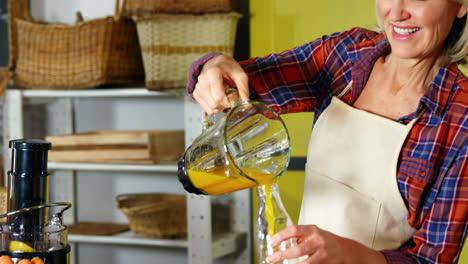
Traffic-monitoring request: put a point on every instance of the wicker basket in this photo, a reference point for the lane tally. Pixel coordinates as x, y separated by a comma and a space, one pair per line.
159, 215
138, 7
170, 43
87, 54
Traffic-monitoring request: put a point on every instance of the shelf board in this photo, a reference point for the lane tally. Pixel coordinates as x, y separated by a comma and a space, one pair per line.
227, 243
128, 238
101, 92
166, 167
222, 244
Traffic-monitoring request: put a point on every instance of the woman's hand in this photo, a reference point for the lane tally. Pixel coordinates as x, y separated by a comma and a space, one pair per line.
217, 75
319, 246
315, 245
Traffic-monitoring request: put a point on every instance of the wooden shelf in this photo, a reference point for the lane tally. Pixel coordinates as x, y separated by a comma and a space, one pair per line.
128, 238
167, 167
223, 244
102, 92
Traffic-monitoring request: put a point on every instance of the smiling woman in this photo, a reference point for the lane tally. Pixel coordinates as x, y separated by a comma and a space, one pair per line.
417, 96
415, 28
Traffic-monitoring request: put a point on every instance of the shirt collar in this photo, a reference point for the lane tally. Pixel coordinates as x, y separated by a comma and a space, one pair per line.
436, 97
364, 55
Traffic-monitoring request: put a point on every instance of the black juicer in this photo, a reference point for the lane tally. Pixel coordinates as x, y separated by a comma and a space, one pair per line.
28, 233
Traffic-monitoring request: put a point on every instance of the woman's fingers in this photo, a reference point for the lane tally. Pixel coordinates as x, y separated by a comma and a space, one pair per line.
203, 94
295, 252
241, 81
314, 245
204, 106
199, 95
295, 231
211, 98
219, 99
217, 75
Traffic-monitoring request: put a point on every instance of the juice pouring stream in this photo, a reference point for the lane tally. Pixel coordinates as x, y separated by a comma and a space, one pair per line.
248, 147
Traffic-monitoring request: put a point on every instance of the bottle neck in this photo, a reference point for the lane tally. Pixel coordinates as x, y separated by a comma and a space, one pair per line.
267, 190
270, 200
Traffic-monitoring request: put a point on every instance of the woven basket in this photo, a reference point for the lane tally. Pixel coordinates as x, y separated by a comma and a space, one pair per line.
138, 7
170, 43
159, 215
87, 54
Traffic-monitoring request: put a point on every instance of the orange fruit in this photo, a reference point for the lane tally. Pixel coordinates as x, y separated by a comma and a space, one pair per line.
37, 260
24, 261
5, 260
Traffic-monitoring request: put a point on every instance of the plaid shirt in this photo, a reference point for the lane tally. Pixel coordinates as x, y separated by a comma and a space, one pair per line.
432, 170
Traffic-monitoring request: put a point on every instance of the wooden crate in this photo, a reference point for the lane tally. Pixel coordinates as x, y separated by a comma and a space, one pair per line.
3, 202
97, 228
118, 146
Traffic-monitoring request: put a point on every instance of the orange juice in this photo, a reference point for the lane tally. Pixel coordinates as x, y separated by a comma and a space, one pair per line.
215, 182
225, 180
269, 210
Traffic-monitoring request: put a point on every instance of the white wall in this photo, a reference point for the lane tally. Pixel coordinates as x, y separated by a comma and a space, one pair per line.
64, 11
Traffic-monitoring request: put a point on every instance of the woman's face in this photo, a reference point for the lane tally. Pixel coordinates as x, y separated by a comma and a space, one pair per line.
417, 29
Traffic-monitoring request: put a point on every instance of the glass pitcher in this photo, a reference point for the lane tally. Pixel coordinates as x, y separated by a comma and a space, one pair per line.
247, 147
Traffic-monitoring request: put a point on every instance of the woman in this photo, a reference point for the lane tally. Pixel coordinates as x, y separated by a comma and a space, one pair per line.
387, 166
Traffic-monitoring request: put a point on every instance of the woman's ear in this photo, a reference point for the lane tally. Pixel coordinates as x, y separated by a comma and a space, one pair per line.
462, 11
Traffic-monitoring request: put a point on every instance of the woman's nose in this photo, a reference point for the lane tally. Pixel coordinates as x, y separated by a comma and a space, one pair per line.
399, 10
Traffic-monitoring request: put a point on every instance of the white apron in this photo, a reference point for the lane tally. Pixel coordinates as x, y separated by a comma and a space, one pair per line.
351, 184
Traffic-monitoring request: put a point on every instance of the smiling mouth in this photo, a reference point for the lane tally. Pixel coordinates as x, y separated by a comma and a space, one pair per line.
406, 31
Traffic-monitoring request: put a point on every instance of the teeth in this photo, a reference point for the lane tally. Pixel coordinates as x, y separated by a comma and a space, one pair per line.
405, 31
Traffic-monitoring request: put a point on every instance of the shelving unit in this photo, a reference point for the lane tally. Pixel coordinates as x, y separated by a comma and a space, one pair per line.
202, 245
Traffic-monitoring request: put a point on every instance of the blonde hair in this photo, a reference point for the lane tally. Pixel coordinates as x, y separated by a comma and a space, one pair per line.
456, 46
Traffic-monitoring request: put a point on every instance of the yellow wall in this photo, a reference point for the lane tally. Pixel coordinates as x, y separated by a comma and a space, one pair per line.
277, 25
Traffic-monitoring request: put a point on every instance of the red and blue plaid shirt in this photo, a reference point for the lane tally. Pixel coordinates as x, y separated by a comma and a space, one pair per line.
432, 170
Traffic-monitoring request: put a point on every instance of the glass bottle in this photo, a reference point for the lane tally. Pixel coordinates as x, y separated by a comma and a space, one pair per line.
271, 218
